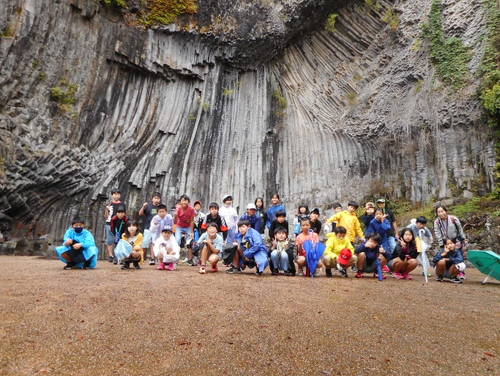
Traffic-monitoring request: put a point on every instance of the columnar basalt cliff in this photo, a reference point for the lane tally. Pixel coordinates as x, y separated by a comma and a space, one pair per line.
243, 97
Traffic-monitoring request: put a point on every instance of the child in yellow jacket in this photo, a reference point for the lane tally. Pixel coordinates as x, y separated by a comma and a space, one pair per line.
350, 221
339, 253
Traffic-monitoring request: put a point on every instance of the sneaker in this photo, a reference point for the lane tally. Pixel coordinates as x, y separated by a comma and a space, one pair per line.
375, 275
461, 275
354, 269
233, 270
260, 273
440, 278
126, 266
398, 275
343, 272
110, 259
407, 276
287, 274
162, 266
86, 265
69, 265
359, 274
329, 273
171, 266
300, 272
136, 265
455, 280
152, 261
185, 260
191, 263
215, 268
275, 272
385, 269
115, 261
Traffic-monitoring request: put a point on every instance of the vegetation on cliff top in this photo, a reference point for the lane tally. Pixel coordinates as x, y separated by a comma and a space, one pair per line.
166, 11
449, 54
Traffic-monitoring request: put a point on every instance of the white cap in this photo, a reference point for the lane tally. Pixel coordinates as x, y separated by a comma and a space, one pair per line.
227, 197
251, 206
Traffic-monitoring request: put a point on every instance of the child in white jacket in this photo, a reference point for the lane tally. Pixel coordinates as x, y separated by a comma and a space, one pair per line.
166, 249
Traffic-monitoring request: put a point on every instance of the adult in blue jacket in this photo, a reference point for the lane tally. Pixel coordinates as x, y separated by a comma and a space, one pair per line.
78, 249
251, 250
380, 225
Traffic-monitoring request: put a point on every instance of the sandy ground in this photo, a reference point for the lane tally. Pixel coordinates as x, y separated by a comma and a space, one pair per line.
147, 322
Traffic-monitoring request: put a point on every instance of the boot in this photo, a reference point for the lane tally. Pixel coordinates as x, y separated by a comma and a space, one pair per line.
126, 264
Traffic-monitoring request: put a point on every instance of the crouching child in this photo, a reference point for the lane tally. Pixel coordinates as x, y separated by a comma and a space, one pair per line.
368, 253
209, 248
251, 251
449, 262
167, 249
78, 249
281, 253
339, 253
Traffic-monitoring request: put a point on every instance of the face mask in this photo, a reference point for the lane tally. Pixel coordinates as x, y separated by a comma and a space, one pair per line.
78, 230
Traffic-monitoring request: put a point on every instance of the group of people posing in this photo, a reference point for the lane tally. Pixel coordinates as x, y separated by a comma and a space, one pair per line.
222, 236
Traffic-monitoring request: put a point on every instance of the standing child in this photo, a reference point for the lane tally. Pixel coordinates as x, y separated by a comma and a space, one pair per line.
337, 208
129, 248
271, 212
159, 221
252, 217
110, 211
350, 221
210, 244
279, 221
214, 217
78, 249
231, 216
315, 222
305, 235
262, 213
149, 210
302, 212
118, 225
184, 219
369, 214
198, 220
167, 249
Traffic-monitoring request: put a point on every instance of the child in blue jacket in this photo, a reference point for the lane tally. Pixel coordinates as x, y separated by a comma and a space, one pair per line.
78, 249
251, 250
449, 262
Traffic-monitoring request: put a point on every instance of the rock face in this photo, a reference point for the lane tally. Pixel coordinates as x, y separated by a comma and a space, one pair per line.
245, 98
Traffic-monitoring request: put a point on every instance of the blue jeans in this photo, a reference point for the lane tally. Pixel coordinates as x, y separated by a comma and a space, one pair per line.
391, 240
179, 231
279, 261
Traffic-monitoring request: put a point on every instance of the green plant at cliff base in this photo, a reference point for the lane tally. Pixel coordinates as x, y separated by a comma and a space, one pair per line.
166, 11
449, 55
330, 22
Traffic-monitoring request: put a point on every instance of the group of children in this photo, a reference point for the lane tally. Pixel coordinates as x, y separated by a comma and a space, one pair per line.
221, 235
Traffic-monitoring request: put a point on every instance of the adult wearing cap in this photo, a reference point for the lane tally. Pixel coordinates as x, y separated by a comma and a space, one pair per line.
349, 220
109, 213
252, 217
393, 233
231, 217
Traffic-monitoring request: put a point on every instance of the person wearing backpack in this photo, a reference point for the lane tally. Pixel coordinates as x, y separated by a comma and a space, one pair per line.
447, 226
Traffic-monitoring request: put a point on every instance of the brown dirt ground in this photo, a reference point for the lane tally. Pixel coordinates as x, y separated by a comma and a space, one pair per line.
147, 322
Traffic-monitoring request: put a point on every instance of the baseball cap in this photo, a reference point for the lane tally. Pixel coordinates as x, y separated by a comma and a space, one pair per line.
197, 202
166, 228
315, 210
227, 197
116, 190
345, 256
251, 206
156, 194
381, 200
